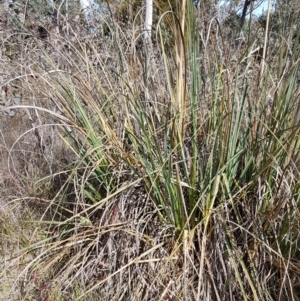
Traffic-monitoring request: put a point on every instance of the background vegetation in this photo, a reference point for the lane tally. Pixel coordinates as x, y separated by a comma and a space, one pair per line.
167, 171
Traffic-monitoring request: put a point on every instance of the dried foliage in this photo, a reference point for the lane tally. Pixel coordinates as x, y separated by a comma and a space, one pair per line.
132, 172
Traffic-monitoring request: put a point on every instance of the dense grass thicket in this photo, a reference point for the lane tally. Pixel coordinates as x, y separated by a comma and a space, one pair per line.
161, 171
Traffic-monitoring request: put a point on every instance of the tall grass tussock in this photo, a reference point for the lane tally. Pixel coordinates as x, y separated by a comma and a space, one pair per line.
161, 171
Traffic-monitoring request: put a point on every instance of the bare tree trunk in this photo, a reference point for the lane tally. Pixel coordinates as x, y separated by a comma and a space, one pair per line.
148, 51
148, 21
245, 9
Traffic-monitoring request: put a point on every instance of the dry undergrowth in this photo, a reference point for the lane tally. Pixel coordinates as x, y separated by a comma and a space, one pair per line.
102, 199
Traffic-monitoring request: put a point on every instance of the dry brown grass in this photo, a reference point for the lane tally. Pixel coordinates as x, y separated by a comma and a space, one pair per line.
97, 161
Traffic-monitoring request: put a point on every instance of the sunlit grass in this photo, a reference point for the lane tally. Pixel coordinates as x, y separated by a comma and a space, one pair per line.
180, 179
